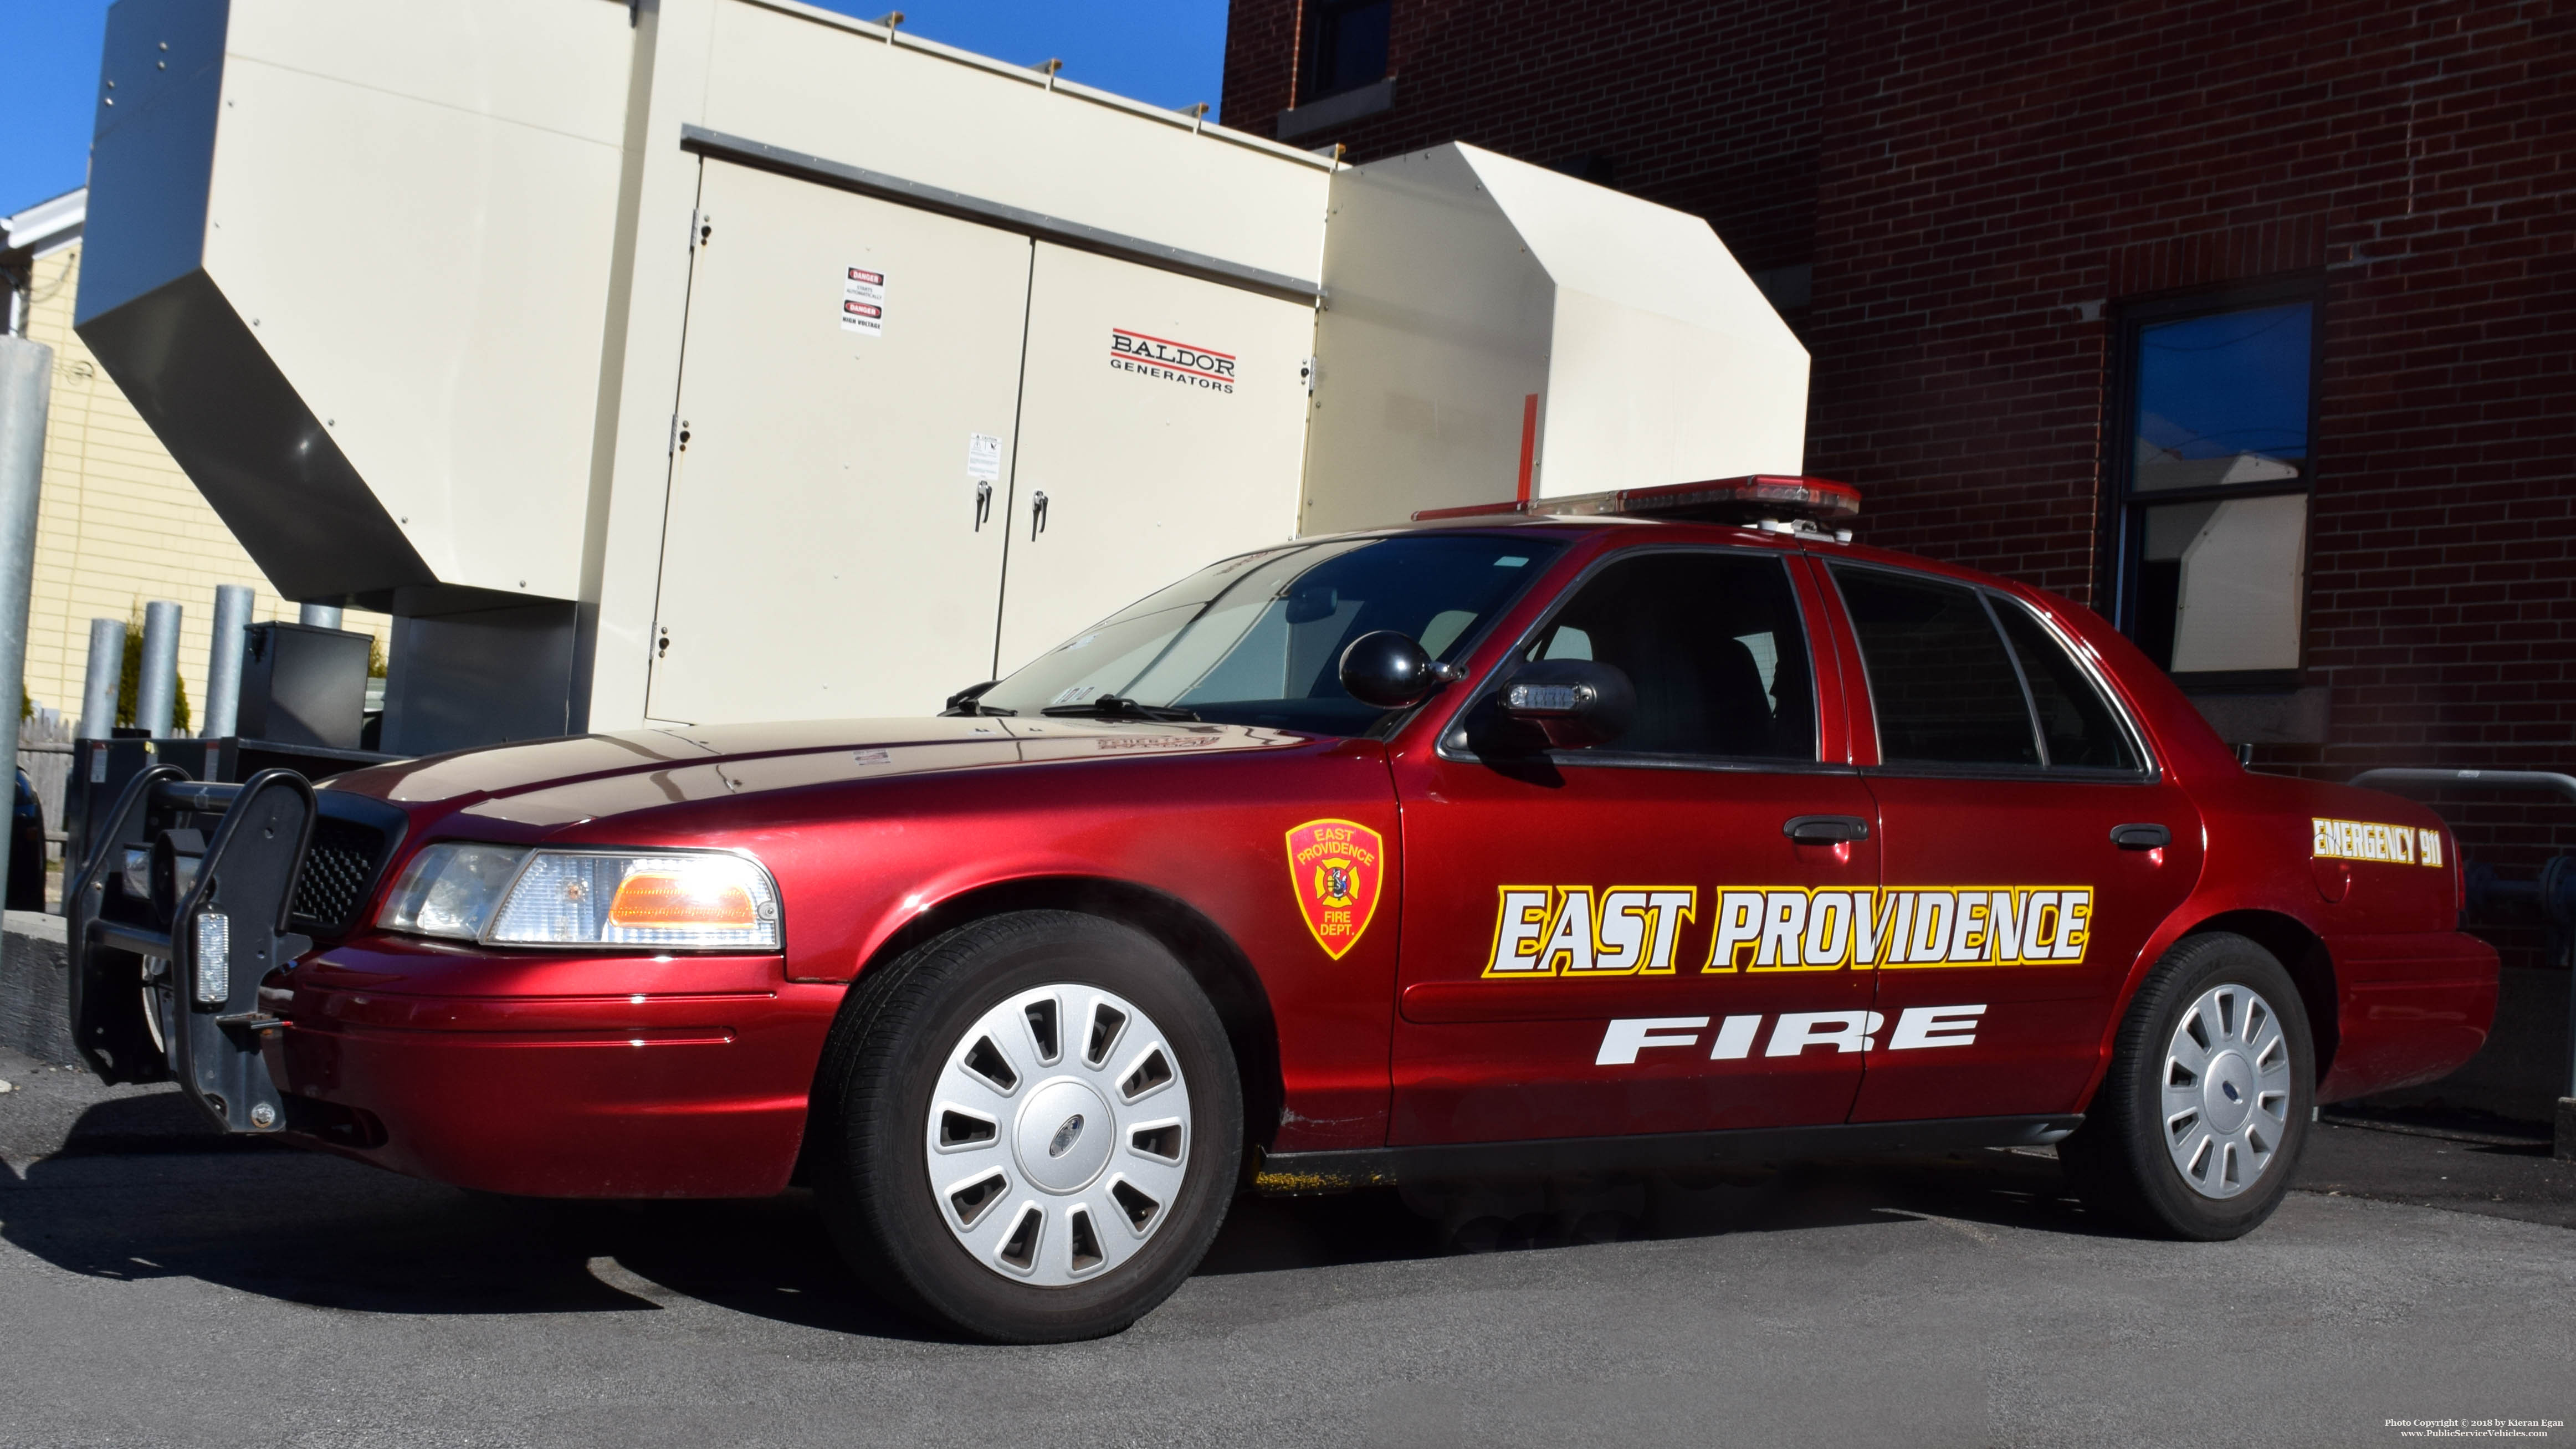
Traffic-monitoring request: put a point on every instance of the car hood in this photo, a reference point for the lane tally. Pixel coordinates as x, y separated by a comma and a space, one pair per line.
582, 777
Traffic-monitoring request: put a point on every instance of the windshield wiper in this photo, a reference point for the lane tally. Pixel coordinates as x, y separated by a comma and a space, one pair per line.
1112, 706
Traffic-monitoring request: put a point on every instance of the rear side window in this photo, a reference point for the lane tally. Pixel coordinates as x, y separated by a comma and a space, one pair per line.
1944, 688
2076, 725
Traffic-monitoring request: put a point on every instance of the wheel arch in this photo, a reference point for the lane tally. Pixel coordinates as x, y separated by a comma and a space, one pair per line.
1204, 949
2303, 954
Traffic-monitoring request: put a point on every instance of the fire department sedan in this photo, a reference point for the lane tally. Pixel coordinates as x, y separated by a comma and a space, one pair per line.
1582, 836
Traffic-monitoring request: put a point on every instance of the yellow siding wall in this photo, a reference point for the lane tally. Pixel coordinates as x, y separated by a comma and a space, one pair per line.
119, 523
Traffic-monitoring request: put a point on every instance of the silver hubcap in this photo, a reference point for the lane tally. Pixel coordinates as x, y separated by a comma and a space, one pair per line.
2226, 1091
1059, 1135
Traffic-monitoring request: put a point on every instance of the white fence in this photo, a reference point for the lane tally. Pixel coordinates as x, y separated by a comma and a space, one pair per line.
45, 753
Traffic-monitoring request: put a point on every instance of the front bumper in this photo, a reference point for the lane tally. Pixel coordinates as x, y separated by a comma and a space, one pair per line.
548, 1074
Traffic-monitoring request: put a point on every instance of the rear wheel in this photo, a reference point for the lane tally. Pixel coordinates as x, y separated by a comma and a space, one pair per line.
1029, 1128
2200, 1121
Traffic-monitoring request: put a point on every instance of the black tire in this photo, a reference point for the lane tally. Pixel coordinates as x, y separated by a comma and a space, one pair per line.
883, 1061
2119, 1162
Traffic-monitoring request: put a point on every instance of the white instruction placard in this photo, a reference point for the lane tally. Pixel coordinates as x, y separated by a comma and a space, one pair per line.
863, 301
984, 457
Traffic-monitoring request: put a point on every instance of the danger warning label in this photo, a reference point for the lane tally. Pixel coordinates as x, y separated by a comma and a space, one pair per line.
863, 302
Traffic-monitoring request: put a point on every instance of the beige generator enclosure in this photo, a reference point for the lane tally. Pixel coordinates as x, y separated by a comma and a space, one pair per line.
715, 360
1497, 328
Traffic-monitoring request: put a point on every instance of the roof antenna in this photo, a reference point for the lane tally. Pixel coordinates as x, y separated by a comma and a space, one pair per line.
1048, 69
889, 20
1198, 116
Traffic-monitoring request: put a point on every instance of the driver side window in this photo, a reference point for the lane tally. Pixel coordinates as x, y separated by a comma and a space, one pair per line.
1713, 646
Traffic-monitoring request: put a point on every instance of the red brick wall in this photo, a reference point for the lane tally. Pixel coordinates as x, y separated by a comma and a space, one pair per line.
1710, 108
1980, 184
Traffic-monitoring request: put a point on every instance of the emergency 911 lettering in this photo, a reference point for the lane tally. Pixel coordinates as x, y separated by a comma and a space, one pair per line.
1578, 932
2367, 840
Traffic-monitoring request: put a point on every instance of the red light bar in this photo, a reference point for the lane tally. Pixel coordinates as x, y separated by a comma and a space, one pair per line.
1719, 500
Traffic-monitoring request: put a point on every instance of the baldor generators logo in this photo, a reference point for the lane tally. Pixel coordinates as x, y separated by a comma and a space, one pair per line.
1161, 357
1336, 868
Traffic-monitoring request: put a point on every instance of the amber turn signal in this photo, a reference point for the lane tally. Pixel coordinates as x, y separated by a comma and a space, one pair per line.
666, 901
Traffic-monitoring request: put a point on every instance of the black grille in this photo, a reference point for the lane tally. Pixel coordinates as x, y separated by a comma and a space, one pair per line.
337, 870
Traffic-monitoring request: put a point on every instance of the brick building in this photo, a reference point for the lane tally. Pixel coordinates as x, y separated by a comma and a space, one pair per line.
2252, 325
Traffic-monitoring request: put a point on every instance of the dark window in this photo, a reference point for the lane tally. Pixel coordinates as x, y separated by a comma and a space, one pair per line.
1944, 690
2076, 725
2212, 451
1346, 48
1712, 644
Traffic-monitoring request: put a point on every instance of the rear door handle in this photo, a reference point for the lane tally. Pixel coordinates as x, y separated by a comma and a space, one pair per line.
1825, 829
2141, 837
1037, 513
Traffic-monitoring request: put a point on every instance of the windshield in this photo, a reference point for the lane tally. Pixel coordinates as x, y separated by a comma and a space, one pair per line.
1258, 639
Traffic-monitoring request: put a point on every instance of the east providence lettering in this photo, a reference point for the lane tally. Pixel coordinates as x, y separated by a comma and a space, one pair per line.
1581, 932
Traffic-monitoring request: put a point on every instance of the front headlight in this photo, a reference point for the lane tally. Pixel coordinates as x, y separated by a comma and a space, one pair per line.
451, 890
516, 897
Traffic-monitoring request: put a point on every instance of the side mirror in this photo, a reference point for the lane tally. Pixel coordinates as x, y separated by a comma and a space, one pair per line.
1575, 702
1389, 670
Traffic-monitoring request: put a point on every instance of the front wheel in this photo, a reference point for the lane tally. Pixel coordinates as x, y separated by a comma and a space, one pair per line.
2202, 1116
1029, 1128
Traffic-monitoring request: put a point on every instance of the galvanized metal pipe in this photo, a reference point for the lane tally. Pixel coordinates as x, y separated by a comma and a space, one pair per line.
26, 387
106, 679
156, 689
2549, 780
320, 616
224, 660
2538, 780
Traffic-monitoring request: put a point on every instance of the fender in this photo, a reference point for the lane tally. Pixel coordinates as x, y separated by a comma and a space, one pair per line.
2257, 864
1213, 957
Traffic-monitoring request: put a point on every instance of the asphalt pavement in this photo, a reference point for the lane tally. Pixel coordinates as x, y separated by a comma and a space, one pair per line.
162, 1287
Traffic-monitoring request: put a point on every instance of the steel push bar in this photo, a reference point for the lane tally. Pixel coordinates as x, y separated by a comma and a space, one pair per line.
177, 915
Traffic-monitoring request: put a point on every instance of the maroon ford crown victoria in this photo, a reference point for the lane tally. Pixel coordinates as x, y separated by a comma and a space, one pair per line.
1575, 837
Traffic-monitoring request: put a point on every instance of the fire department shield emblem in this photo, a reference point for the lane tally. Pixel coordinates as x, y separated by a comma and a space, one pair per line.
1336, 868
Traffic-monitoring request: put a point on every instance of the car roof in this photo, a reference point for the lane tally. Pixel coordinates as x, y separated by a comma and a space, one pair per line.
1627, 530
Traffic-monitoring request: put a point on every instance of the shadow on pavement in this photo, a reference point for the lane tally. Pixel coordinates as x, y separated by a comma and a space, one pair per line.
1997, 1188
130, 1199
316, 1230
301, 1229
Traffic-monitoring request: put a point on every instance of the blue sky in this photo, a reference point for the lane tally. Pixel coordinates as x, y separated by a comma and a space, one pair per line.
1170, 52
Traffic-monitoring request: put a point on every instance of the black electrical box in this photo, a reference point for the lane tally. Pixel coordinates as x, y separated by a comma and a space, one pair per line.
303, 685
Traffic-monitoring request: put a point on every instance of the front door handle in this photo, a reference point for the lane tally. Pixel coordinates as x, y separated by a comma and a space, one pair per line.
983, 504
1037, 513
2141, 837
1825, 829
